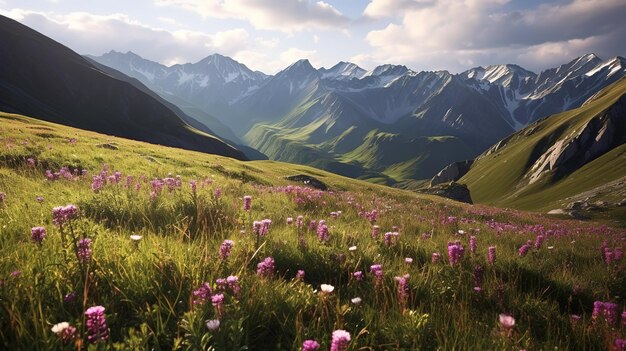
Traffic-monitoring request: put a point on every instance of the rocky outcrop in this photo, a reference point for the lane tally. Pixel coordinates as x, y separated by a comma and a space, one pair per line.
309, 181
452, 172
598, 136
452, 190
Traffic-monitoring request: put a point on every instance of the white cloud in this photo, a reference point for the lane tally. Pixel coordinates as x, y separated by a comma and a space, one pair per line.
284, 15
92, 34
452, 34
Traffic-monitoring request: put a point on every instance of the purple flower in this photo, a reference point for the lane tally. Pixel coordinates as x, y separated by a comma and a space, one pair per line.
403, 288
377, 271
217, 193
266, 267
478, 276
265, 227
202, 294
606, 311
620, 344
233, 284
390, 238
217, 301
310, 345
624, 319
31, 162
312, 224
455, 253
96, 324
617, 254
38, 234
226, 248
491, 253
247, 202
300, 275
3, 196
358, 275
523, 250
194, 186
539, 241
299, 222
322, 231
97, 182
39, 199
83, 250
70, 297
340, 340
62, 214
289, 220
375, 231
472, 244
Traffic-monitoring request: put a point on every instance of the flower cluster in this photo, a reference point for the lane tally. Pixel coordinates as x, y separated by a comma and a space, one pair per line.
62, 214
38, 234
83, 250
491, 254
340, 340
65, 331
606, 311
96, 324
456, 252
266, 267
226, 248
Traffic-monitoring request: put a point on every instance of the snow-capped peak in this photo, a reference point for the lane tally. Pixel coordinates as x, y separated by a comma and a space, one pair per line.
342, 70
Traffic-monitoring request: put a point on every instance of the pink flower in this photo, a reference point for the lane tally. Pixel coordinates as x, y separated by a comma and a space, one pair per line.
340, 340
247, 202
310, 345
506, 320
38, 234
491, 253
96, 324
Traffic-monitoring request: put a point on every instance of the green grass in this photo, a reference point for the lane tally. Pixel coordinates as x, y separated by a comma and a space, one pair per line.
147, 289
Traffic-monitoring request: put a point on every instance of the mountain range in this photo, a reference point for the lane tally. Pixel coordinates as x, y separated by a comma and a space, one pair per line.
44, 79
390, 125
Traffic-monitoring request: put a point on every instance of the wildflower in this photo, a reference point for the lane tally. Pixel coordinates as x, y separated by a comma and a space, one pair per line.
624, 319
217, 301
454, 253
340, 340
299, 221
574, 318
478, 276
403, 288
605, 310
408, 260
64, 331
194, 186
539, 241
3, 196
213, 324
226, 248
375, 231
312, 224
435, 257
356, 300
506, 321
232, 282
608, 256
266, 267
523, 250
265, 227
472, 244
62, 214
202, 294
96, 324
256, 227
31, 162
70, 297
310, 345
390, 237
38, 199
38, 234
247, 202
377, 270
620, 344
300, 274
327, 288
83, 250
491, 253
617, 254
135, 239
217, 193
322, 231
16, 274
358, 275
289, 220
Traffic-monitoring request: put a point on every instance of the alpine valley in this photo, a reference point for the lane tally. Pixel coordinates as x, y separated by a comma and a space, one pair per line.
390, 125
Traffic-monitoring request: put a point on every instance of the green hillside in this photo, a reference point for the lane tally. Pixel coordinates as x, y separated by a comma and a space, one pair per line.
160, 252
503, 175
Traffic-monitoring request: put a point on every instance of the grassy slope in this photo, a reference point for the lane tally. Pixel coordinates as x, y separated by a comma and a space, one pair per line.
147, 290
497, 179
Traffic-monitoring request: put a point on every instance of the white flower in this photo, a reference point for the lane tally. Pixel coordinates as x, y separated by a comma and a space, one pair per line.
60, 327
356, 300
136, 237
408, 260
327, 288
550, 247
213, 324
352, 248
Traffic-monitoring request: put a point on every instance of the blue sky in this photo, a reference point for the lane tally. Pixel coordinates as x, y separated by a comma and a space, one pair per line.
268, 35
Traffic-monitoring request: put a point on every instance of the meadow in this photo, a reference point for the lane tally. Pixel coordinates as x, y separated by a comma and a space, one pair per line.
107, 243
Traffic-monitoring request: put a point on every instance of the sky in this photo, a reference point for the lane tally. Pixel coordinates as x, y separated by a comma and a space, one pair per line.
268, 35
